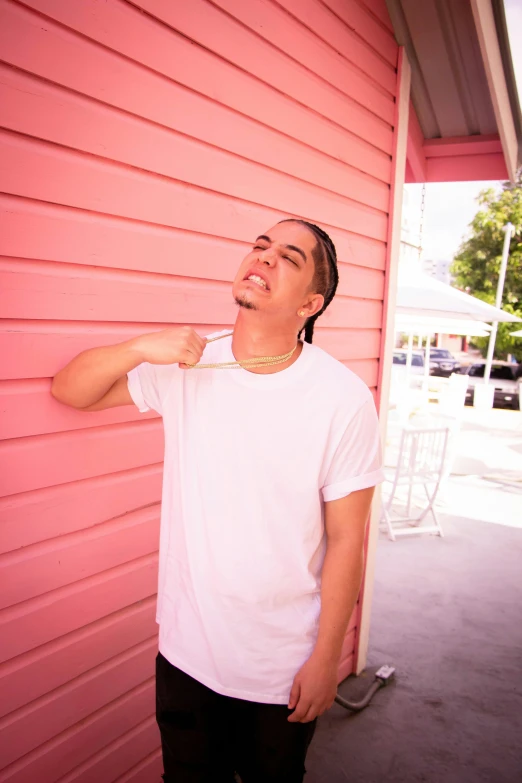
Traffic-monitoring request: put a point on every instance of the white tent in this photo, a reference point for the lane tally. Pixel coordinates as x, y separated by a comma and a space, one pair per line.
430, 324
421, 295
426, 306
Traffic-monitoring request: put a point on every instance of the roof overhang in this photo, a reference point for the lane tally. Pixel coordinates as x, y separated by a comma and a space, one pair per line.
465, 121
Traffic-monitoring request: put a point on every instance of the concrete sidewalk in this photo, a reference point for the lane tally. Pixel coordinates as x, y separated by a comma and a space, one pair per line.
448, 614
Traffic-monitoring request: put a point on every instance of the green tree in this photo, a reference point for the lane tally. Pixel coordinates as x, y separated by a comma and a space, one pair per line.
476, 267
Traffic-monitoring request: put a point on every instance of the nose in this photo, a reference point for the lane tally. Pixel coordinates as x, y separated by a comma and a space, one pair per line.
267, 256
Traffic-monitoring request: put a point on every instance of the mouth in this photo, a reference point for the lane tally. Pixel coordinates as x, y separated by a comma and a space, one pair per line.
257, 279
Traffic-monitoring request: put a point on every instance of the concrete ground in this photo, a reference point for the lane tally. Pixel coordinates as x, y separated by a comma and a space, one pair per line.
447, 612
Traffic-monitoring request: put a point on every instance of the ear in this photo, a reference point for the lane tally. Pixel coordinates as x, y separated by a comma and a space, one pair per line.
312, 304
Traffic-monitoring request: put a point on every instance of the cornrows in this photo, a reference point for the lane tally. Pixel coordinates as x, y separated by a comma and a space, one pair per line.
326, 275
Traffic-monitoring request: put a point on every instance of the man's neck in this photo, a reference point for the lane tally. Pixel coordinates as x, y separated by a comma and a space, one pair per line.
254, 337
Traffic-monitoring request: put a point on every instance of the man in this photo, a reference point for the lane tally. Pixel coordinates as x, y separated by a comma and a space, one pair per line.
271, 456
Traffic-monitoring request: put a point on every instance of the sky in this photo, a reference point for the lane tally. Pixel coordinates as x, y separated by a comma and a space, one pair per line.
450, 207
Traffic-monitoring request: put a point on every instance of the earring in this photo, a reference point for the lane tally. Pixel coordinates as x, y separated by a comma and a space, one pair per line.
301, 313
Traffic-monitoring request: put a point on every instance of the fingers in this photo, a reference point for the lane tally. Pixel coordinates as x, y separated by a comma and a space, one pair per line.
193, 352
197, 343
311, 715
294, 695
305, 715
307, 711
188, 359
186, 336
301, 709
298, 715
202, 341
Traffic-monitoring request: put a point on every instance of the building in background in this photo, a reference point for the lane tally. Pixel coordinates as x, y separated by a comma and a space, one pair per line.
439, 269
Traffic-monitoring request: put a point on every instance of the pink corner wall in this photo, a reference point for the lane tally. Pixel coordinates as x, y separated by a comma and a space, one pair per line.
454, 159
144, 145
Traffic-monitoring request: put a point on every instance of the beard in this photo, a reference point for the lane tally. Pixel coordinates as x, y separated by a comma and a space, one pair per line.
243, 301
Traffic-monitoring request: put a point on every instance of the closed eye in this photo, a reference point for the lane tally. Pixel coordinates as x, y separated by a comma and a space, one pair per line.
286, 258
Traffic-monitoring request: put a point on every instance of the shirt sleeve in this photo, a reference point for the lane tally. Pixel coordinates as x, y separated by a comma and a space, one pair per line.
357, 462
148, 384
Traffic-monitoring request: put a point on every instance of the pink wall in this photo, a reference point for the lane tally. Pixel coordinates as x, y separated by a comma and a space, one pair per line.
141, 154
455, 159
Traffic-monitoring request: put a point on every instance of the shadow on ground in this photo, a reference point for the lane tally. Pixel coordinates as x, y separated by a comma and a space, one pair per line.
448, 614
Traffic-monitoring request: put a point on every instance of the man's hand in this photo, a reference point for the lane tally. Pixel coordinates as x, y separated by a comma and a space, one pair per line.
315, 685
314, 689
180, 345
97, 378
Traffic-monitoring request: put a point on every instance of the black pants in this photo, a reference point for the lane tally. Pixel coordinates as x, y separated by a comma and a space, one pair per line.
206, 737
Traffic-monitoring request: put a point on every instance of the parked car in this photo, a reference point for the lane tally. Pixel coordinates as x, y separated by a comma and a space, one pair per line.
416, 374
417, 361
443, 363
504, 377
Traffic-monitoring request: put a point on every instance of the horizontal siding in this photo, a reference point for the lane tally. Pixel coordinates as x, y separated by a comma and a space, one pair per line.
35, 230
27, 408
98, 451
58, 510
223, 41
32, 623
344, 40
34, 349
94, 239
145, 145
368, 25
127, 751
352, 76
91, 298
42, 170
56, 346
45, 566
79, 743
41, 289
170, 60
379, 10
108, 132
228, 35
44, 718
149, 769
52, 665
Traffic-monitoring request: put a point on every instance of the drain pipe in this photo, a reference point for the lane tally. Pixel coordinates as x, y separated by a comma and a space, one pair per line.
382, 677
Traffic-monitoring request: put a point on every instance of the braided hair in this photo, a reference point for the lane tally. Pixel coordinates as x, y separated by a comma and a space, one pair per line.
326, 276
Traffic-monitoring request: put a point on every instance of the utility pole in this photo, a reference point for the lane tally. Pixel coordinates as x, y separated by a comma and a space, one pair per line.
508, 228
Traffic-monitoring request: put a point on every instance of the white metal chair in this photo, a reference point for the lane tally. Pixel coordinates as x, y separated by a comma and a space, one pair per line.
420, 461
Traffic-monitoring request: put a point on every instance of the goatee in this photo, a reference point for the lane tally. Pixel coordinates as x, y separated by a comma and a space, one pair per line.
246, 303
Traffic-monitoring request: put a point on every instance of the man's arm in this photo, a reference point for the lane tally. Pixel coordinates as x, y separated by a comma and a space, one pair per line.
96, 379
315, 685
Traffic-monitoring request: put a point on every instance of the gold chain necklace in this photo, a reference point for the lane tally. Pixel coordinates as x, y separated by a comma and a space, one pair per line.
259, 361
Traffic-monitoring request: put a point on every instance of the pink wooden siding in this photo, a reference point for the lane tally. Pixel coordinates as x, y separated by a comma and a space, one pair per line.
143, 147
454, 159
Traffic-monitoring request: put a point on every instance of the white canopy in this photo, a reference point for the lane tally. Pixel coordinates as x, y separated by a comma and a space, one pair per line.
516, 334
430, 324
421, 295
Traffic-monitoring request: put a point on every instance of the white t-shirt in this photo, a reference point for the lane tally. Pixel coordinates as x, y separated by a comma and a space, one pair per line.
249, 460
